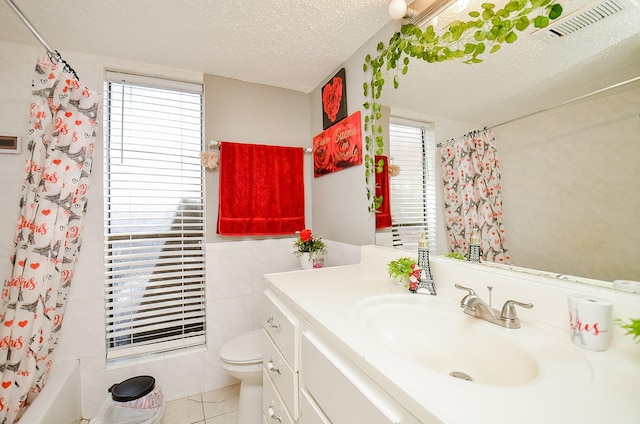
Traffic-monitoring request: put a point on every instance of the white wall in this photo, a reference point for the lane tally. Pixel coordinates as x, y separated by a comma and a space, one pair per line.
570, 188
253, 113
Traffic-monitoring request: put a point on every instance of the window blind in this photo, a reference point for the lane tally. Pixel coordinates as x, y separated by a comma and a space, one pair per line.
413, 191
154, 216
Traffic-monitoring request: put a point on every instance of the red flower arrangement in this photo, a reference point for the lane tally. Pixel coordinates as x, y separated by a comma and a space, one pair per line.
406, 272
414, 278
308, 243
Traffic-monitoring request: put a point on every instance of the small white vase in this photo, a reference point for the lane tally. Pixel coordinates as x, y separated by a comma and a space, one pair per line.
305, 261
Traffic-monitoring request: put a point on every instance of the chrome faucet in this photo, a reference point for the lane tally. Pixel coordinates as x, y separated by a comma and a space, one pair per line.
476, 307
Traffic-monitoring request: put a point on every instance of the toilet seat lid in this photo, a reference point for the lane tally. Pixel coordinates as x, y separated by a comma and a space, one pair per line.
246, 348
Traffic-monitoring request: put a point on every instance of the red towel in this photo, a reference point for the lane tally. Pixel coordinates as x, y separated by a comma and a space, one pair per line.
383, 216
261, 190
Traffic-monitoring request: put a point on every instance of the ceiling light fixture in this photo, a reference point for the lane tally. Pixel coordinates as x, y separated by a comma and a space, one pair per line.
398, 9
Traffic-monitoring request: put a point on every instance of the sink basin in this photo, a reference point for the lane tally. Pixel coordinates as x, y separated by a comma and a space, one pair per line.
434, 332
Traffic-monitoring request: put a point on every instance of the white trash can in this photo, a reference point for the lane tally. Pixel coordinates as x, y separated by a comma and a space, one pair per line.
137, 400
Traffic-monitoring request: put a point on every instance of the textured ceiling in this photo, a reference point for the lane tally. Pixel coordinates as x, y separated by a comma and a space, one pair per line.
530, 75
299, 44
285, 43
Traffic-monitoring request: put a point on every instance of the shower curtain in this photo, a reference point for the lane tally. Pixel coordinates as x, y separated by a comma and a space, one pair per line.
473, 195
62, 123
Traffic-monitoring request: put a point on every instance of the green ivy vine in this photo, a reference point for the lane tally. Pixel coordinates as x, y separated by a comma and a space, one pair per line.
466, 40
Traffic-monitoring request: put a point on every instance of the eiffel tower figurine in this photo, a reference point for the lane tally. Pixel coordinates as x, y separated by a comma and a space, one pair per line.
425, 286
474, 247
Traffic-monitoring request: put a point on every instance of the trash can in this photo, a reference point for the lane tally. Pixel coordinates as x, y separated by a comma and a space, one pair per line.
137, 400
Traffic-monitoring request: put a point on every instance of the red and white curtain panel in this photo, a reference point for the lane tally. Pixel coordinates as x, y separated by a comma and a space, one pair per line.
63, 119
473, 195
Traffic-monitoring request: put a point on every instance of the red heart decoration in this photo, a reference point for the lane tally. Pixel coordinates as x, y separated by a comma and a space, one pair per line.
78, 122
57, 161
46, 212
68, 114
66, 168
23, 323
34, 265
21, 263
8, 323
6, 384
51, 76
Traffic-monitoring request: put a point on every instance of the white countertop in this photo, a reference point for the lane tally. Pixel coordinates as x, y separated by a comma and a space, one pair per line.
605, 388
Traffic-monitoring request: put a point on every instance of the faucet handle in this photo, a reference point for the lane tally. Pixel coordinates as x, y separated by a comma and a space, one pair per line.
509, 312
470, 290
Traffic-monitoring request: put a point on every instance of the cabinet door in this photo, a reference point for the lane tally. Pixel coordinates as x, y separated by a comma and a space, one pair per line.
311, 412
345, 393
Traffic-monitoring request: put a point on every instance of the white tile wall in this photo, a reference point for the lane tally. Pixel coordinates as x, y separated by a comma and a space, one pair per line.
234, 297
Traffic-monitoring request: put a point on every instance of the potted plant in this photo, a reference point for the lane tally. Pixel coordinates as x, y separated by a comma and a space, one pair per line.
632, 327
405, 271
310, 249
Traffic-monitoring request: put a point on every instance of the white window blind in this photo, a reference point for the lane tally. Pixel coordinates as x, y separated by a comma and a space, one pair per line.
413, 191
154, 216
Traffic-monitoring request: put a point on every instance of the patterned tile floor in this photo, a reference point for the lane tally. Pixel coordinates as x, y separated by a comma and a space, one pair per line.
215, 407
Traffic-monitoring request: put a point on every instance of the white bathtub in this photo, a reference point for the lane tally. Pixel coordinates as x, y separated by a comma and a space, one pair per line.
59, 401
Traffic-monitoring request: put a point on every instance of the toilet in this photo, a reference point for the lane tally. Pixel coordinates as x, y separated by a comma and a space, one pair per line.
242, 358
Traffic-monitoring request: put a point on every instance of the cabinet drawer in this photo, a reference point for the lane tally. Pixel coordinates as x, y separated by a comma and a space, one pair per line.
283, 327
273, 409
283, 378
345, 393
311, 412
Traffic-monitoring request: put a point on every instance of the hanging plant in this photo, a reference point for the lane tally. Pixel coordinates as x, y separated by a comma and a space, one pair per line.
486, 31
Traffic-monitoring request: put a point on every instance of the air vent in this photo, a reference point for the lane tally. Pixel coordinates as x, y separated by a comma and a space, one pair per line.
580, 19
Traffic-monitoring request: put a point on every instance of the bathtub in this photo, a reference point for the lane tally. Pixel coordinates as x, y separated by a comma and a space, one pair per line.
59, 401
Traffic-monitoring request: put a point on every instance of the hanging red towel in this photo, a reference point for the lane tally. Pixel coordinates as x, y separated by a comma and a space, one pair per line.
261, 189
383, 216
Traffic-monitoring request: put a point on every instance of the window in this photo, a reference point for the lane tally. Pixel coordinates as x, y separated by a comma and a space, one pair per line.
154, 215
413, 191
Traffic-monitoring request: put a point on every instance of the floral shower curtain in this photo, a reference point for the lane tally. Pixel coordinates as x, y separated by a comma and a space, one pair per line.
62, 125
473, 195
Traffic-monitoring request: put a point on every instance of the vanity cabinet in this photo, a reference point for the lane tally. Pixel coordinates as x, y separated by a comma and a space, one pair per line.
281, 362
306, 380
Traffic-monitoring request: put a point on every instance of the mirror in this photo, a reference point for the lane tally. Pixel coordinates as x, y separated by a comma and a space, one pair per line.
569, 173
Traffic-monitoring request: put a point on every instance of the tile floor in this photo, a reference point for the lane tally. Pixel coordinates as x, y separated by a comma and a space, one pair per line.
215, 407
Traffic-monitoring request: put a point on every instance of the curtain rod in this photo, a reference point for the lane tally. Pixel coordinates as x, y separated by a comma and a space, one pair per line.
50, 51
575, 99
216, 144
453, 140
31, 27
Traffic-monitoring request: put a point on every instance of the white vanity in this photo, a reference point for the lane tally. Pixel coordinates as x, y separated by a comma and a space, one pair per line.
348, 345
